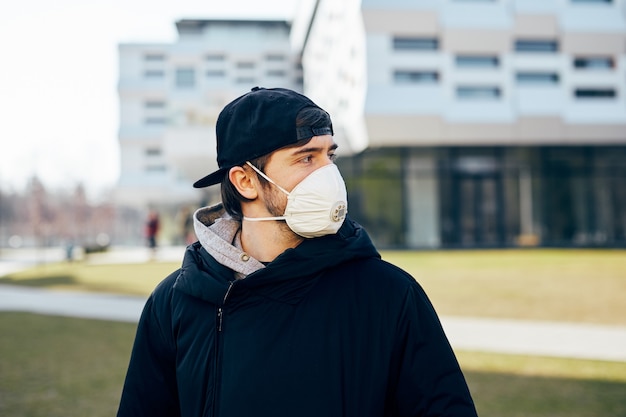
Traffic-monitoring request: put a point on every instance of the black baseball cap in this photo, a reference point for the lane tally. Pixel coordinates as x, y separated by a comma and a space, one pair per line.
257, 123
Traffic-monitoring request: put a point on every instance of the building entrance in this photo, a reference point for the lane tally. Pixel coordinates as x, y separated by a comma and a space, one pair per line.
477, 214
472, 203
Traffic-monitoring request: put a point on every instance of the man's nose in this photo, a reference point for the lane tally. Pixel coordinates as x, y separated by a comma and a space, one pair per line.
327, 161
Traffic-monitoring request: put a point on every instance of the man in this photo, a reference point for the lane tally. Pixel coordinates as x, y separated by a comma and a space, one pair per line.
284, 307
151, 231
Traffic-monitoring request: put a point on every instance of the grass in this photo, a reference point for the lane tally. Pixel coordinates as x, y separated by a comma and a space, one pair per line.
513, 395
54, 366
582, 286
524, 386
136, 278
60, 367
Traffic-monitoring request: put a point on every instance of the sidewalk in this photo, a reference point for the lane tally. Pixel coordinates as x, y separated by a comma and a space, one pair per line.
570, 340
71, 304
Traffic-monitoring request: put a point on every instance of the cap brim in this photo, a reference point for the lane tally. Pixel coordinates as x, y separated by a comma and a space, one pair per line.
211, 179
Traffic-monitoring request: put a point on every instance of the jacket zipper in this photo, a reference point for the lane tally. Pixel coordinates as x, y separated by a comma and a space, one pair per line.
220, 310
218, 343
220, 318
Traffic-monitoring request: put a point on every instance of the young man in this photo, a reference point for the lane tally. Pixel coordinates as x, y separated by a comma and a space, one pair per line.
284, 307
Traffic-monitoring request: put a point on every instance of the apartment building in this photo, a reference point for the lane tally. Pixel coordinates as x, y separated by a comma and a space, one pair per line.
475, 123
171, 95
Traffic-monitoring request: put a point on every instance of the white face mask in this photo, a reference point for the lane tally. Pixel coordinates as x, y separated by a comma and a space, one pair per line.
317, 206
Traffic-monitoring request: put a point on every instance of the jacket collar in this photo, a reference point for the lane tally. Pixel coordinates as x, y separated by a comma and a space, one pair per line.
287, 279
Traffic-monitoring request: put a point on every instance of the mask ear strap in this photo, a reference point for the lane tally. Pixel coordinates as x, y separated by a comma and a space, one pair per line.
261, 219
258, 171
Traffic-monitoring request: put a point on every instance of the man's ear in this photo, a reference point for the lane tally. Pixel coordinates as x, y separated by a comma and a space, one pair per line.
243, 181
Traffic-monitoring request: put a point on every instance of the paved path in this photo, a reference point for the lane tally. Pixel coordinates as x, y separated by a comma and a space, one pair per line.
477, 334
71, 304
583, 341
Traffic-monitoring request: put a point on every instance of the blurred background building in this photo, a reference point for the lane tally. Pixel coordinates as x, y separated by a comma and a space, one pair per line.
171, 95
461, 123
478, 123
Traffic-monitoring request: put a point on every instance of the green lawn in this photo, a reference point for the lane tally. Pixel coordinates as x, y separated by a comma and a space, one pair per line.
51, 366
562, 285
63, 367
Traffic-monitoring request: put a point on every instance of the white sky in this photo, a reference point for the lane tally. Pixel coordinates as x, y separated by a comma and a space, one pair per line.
58, 79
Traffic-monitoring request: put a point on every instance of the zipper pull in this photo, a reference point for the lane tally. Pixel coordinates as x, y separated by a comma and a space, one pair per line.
220, 311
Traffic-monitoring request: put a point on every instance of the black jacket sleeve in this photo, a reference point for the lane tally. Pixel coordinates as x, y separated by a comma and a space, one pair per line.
429, 380
150, 388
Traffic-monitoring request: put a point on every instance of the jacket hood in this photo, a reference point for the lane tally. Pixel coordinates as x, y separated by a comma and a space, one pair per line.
219, 235
208, 265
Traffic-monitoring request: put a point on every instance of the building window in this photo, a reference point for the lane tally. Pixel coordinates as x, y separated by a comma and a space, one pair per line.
415, 44
415, 77
215, 73
245, 65
276, 73
153, 152
153, 120
594, 63
154, 57
537, 78
154, 74
156, 168
478, 92
593, 93
477, 61
154, 104
275, 57
214, 57
534, 45
245, 80
185, 77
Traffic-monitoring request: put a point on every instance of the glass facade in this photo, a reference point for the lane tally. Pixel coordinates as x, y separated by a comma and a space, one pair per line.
375, 198
457, 197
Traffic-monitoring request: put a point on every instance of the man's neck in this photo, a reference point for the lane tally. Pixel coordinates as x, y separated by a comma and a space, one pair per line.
265, 240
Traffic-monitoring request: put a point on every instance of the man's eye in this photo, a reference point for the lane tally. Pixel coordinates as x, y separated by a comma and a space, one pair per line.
332, 156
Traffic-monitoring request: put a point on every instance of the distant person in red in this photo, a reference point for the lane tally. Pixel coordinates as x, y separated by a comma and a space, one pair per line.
152, 229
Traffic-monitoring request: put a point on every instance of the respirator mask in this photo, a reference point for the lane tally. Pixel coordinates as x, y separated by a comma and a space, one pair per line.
317, 206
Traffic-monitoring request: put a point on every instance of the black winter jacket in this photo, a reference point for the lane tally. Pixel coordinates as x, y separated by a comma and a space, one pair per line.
327, 329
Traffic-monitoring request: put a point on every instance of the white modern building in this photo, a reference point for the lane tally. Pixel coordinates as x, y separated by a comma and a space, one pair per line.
461, 123
475, 122
171, 95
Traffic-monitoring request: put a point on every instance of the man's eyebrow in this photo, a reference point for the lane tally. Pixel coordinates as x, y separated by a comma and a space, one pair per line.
313, 149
